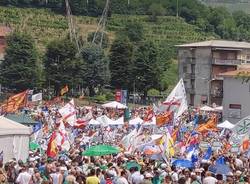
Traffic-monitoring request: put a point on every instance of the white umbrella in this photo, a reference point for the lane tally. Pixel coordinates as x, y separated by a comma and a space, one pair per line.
114, 105
206, 108
226, 124
219, 108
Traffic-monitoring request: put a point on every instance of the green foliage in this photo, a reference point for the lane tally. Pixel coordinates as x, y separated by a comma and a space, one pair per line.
153, 92
134, 31
146, 71
155, 10
121, 56
19, 70
105, 39
100, 98
96, 72
61, 66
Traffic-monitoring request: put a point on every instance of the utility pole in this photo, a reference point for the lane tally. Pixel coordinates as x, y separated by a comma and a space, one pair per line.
177, 8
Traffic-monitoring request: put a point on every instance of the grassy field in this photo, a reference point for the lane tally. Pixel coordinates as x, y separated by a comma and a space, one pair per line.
44, 25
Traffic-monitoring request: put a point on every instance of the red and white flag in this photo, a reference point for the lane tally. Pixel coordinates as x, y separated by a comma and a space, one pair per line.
68, 113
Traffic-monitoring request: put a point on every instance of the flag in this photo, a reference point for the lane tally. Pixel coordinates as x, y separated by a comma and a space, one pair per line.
64, 90
68, 113
210, 125
15, 102
176, 101
175, 134
80, 123
245, 143
149, 114
52, 149
164, 118
37, 127
127, 140
37, 97
63, 138
242, 127
208, 154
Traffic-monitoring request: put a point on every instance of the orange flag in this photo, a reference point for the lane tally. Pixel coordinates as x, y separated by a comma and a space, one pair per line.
52, 146
15, 102
175, 134
163, 119
64, 90
149, 114
210, 125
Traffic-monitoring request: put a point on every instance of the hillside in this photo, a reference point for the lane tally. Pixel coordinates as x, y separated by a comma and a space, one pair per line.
44, 25
231, 5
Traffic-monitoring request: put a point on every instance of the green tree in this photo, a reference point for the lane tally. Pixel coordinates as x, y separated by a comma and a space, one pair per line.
105, 39
19, 70
96, 73
121, 61
61, 65
134, 31
146, 70
155, 10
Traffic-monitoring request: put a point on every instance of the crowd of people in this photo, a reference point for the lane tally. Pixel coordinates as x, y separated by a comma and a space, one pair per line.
215, 166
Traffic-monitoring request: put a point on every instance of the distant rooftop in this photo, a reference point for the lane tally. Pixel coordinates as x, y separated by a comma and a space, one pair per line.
218, 43
242, 71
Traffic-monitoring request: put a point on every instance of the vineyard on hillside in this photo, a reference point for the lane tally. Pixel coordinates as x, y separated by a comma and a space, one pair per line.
44, 25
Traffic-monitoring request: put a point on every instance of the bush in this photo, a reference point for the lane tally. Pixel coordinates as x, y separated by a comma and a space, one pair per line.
153, 92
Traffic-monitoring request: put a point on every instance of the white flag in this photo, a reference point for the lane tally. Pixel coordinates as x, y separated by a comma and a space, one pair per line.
68, 113
176, 100
37, 97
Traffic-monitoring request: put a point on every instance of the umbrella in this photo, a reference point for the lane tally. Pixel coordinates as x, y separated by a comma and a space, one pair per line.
132, 164
183, 163
220, 169
100, 150
33, 146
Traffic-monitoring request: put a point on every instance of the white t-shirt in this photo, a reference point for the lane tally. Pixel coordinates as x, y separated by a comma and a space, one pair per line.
137, 177
23, 178
209, 180
121, 180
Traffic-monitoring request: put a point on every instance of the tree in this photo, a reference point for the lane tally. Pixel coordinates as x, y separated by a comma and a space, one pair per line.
134, 31
61, 65
121, 56
19, 69
96, 63
155, 10
105, 39
146, 70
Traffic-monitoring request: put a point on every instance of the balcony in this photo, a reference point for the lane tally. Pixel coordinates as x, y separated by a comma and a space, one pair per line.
216, 61
217, 93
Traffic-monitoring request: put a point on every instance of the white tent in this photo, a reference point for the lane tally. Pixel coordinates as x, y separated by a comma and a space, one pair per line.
119, 121
114, 105
219, 108
105, 121
135, 121
206, 108
14, 140
226, 124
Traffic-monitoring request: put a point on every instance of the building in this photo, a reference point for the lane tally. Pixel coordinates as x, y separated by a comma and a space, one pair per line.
4, 31
236, 101
201, 63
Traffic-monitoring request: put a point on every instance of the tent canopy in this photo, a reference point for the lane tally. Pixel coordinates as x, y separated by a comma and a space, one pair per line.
206, 108
9, 127
94, 122
226, 124
136, 121
114, 105
219, 108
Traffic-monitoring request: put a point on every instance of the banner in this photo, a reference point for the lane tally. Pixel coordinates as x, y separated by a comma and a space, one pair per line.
118, 95
68, 113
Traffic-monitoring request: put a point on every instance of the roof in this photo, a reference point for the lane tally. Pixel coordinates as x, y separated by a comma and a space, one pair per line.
9, 127
245, 71
218, 43
21, 118
4, 31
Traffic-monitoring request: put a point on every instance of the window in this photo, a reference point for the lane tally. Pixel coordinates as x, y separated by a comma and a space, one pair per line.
235, 106
184, 69
192, 68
